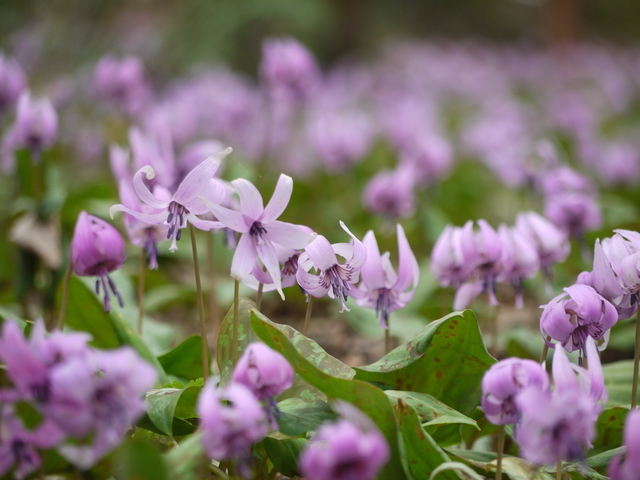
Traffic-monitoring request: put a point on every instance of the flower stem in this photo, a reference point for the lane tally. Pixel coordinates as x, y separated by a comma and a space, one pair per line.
307, 316
387, 336
559, 470
259, 296
636, 361
545, 350
203, 326
141, 274
213, 301
499, 451
218, 472
65, 296
234, 341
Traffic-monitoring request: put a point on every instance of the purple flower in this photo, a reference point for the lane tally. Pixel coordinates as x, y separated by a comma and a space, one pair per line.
344, 451
331, 277
391, 192
382, 288
185, 204
232, 420
36, 126
260, 230
122, 82
503, 381
448, 262
519, 259
483, 252
12, 82
573, 212
629, 468
579, 313
263, 371
289, 69
97, 249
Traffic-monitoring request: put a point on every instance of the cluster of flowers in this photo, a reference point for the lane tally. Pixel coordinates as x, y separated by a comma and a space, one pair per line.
238, 415
66, 395
599, 298
551, 424
474, 261
269, 251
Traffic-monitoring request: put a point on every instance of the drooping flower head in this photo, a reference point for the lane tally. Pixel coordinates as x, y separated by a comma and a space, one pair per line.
448, 261
263, 371
382, 288
185, 204
503, 381
232, 420
36, 127
519, 259
578, 313
331, 277
122, 82
391, 192
628, 467
12, 82
97, 249
349, 449
260, 230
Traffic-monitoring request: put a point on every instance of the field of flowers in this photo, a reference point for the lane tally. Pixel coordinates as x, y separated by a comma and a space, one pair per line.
421, 265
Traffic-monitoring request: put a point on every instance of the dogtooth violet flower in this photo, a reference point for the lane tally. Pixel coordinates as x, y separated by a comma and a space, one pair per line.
348, 449
382, 288
263, 371
185, 204
97, 249
12, 82
448, 261
502, 382
519, 259
331, 278
629, 467
259, 228
36, 126
578, 313
232, 420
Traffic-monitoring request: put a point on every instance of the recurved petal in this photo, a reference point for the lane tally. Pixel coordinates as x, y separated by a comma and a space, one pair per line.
250, 199
143, 191
359, 252
466, 293
288, 235
229, 218
279, 199
372, 271
243, 258
408, 270
597, 389
197, 180
311, 283
563, 373
269, 258
321, 253
149, 218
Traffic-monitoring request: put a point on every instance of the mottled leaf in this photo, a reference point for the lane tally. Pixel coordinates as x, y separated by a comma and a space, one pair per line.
284, 453
298, 417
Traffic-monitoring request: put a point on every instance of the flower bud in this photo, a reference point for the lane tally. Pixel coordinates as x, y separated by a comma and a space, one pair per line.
263, 371
12, 82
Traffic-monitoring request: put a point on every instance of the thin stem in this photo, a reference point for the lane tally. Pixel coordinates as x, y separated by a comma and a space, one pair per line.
559, 470
219, 473
499, 451
636, 361
213, 300
65, 297
545, 350
203, 326
307, 316
142, 270
259, 296
387, 341
234, 343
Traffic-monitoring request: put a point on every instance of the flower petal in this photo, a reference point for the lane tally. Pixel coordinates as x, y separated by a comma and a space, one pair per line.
408, 270
372, 272
243, 258
269, 258
321, 253
311, 283
359, 252
288, 235
279, 199
150, 218
143, 191
229, 218
198, 179
250, 199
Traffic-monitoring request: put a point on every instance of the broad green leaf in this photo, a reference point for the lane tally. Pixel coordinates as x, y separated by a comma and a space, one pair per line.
516, 468
166, 403
603, 459
185, 459
447, 360
369, 399
455, 466
298, 417
141, 461
439, 420
423, 454
179, 427
109, 330
609, 426
185, 360
225, 343
6, 314
618, 378
284, 453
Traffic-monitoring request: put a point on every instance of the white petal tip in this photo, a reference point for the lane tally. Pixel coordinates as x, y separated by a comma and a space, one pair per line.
148, 171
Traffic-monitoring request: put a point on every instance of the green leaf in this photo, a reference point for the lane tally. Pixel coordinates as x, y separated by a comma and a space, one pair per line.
422, 452
166, 403
452, 466
284, 453
516, 468
186, 457
141, 461
6, 314
618, 378
298, 417
369, 399
225, 336
441, 421
603, 459
447, 360
609, 426
185, 360
109, 330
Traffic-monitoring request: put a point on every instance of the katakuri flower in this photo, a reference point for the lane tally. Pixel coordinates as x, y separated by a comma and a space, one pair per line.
259, 228
345, 450
502, 382
579, 313
97, 249
12, 82
382, 288
232, 420
263, 371
629, 467
519, 259
448, 260
185, 204
36, 126
331, 277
